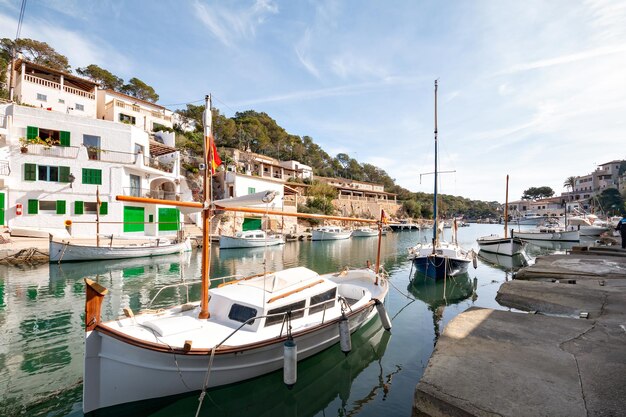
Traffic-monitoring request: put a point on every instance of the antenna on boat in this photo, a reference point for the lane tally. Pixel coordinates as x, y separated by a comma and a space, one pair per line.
435, 214
506, 209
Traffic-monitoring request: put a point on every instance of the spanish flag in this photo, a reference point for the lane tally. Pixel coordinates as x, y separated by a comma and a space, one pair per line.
383, 217
215, 158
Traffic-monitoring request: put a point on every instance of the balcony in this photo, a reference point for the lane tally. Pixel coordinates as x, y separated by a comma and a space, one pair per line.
156, 194
158, 164
53, 150
57, 86
96, 154
137, 109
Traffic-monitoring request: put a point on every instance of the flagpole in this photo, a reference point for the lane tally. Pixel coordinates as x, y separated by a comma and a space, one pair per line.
98, 202
206, 213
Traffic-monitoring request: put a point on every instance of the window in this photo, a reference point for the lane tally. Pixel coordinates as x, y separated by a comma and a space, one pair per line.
241, 313
322, 301
42, 97
124, 118
251, 190
48, 205
92, 143
92, 176
135, 185
48, 173
61, 101
79, 107
296, 308
90, 207
138, 148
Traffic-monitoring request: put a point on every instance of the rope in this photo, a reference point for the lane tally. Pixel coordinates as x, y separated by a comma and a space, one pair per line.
65, 245
206, 381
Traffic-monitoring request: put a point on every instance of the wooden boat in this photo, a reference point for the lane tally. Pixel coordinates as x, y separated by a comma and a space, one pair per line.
330, 233
252, 326
365, 232
439, 259
66, 251
506, 245
36, 232
250, 239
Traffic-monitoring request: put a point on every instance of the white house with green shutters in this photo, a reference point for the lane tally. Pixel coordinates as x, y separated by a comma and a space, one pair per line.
52, 162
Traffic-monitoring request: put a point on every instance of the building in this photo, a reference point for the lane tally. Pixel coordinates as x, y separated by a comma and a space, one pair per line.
54, 158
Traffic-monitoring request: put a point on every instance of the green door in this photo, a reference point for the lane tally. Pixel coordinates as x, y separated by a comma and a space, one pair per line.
169, 219
251, 224
1, 208
133, 219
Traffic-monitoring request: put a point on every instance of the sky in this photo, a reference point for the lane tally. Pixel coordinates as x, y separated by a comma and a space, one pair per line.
533, 89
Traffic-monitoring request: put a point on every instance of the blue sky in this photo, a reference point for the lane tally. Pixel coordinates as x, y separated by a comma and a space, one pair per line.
533, 89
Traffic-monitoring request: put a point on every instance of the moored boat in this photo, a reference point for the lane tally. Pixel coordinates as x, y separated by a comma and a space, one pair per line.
250, 239
66, 251
366, 232
330, 233
549, 233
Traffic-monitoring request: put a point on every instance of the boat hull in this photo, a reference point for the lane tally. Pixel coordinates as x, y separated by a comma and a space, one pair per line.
118, 372
365, 233
501, 246
229, 242
557, 236
67, 252
439, 267
323, 235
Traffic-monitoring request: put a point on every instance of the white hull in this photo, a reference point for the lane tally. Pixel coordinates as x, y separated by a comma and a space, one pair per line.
500, 245
365, 233
528, 221
37, 232
132, 359
324, 235
557, 236
231, 242
592, 231
67, 252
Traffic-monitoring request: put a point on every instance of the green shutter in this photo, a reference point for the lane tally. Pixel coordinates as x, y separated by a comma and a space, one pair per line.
64, 174
33, 206
104, 207
133, 219
60, 206
169, 219
30, 172
64, 138
32, 132
86, 176
92, 176
78, 207
98, 176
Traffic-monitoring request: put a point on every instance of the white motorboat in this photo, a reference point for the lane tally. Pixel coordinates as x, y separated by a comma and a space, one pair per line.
66, 251
252, 326
439, 259
250, 239
587, 225
330, 233
549, 232
497, 244
366, 232
528, 219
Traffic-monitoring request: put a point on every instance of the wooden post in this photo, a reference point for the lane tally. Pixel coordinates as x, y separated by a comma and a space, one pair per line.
93, 304
206, 213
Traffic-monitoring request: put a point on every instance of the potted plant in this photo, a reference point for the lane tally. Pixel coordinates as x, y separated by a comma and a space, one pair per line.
23, 145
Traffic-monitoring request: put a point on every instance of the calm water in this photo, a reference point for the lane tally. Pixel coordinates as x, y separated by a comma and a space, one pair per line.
41, 329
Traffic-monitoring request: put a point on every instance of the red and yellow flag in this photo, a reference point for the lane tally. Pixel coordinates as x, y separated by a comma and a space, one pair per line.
215, 158
383, 217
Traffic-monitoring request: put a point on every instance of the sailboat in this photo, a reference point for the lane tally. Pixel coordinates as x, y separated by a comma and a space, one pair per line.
438, 259
252, 326
506, 245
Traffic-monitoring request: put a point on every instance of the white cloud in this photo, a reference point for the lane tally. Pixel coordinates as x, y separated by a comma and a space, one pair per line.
230, 24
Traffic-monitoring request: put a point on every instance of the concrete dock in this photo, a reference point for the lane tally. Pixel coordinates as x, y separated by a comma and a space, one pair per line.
551, 363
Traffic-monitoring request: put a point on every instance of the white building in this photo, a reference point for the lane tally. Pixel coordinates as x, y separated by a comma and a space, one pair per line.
52, 161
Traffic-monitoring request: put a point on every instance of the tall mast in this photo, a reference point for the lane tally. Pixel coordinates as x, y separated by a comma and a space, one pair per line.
506, 209
206, 211
435, 214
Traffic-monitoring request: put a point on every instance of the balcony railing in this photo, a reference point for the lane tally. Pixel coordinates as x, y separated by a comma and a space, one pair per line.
111, 156
158, 194
57, 86
54, 150
137, 109
156, 164
135, 192
5, 169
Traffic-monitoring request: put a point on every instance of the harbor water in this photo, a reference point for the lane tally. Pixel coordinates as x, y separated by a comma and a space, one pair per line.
42, 330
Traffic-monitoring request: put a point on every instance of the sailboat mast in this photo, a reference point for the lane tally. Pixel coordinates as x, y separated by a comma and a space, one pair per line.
206, 212
435, 214
506, 209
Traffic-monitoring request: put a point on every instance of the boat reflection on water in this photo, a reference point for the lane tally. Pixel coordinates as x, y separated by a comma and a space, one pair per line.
438, 294
504, 262
321, 379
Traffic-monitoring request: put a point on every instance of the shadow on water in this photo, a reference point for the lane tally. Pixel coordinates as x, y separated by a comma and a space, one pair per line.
321, 380
438, 294
503, 262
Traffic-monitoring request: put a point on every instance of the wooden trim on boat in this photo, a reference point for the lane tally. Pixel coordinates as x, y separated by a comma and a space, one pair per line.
93, 304
297, 290
224, 349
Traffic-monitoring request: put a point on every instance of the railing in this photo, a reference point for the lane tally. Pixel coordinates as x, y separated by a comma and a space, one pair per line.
156, 164
5, 169
57, 86
135, 192
54, 150
164, 195
111, 156
137, 109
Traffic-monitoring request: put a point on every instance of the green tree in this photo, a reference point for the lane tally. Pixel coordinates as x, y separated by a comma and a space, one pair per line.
537, 192
412, 208
35, 51
103, 77
611, 201
321, 189
139, 89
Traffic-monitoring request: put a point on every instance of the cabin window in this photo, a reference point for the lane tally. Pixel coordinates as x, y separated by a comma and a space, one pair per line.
259, 236
241, 313
322, 301
297, 310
